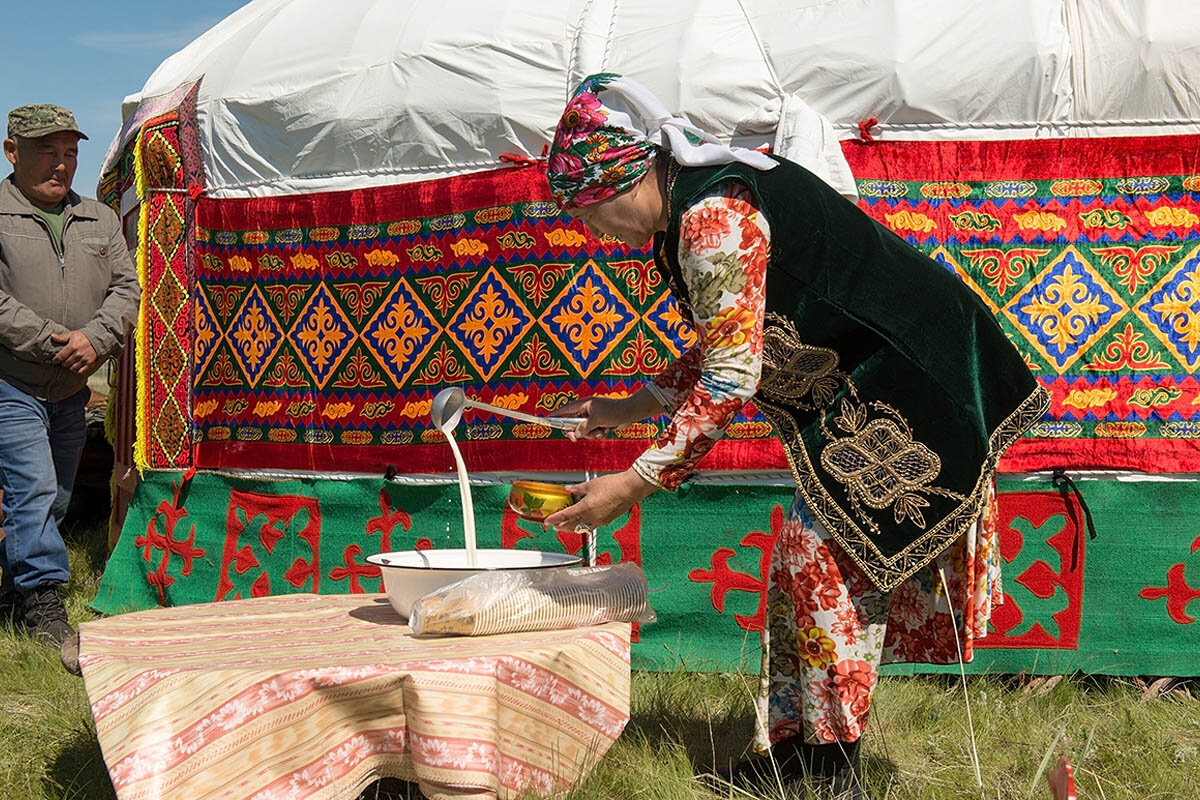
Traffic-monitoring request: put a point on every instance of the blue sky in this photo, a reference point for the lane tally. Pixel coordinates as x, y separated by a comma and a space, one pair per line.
88, 56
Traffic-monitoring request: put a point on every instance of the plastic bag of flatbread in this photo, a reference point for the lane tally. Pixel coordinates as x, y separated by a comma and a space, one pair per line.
509, 601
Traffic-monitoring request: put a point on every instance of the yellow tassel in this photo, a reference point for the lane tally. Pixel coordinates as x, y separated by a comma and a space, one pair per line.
142, 369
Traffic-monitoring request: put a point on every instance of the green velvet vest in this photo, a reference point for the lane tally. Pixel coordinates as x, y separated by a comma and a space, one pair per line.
887, 380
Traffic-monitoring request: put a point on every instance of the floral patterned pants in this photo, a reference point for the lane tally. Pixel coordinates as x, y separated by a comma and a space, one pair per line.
829, 628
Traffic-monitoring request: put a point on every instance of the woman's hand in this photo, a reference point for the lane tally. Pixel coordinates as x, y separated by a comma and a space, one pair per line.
604, 499
603, 414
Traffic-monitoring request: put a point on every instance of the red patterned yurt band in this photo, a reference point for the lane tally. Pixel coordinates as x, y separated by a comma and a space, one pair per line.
322, 325
1088, 253
325, 324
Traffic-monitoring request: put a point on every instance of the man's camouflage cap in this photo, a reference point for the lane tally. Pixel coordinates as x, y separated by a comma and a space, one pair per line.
40, 119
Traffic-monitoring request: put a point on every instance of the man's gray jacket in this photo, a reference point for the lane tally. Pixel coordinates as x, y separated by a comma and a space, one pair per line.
91, 286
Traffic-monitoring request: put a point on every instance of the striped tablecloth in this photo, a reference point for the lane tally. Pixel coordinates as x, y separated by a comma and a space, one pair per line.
310, 697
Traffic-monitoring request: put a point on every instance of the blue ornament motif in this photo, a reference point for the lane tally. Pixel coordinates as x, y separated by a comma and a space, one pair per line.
1172, 310
490, 323
1066, 309
321, 335
588, 318
255, 335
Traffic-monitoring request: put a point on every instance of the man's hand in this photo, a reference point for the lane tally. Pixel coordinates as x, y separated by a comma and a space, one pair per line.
77, 353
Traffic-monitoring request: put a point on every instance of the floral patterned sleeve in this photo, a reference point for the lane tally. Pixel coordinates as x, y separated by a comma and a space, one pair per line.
724, 244
672, 386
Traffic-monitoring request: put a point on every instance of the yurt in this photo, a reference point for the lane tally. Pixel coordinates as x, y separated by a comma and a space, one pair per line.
339, 209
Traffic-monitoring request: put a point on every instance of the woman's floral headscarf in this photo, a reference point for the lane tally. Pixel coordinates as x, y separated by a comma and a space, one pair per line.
609, 134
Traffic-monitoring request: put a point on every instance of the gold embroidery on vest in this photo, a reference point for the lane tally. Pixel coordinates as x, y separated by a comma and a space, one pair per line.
877, 460
793, 370
880, 463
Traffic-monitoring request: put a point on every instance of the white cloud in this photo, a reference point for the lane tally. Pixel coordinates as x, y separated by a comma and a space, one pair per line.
127, 41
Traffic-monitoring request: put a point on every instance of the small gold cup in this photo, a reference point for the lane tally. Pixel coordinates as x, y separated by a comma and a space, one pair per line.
534, 500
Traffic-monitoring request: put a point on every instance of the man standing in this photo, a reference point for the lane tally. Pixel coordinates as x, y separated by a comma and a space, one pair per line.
68, 295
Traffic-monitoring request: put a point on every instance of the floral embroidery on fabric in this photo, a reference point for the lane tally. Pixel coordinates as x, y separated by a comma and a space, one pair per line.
792, 370
582, 116
854, 680
876, 458
825, 641
709, 289
705, 229
815, 647
829, 629
677, 380
731, 327
820, 586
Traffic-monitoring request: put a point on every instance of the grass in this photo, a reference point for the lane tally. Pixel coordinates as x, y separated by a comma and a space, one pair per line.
49, 747
917, 746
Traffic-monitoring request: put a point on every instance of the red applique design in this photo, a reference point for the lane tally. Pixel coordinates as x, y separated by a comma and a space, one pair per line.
354, 567
1177, 591
726, 580
155, 539
260, 536
1042, 597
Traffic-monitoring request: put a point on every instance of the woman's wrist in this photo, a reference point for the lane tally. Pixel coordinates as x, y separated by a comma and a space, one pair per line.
638, 485
645, 404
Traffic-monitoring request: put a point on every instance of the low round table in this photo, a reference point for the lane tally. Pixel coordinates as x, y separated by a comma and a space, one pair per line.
311, 697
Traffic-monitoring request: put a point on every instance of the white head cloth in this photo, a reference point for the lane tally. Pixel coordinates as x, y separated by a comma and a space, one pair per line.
635, 108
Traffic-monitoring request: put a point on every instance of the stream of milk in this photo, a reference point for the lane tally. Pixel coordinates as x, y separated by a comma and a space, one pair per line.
464, 489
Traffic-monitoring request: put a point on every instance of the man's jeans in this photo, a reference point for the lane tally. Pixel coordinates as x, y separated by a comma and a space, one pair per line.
40, 446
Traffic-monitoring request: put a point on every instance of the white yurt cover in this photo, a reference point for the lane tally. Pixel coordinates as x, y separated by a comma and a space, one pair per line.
305, 95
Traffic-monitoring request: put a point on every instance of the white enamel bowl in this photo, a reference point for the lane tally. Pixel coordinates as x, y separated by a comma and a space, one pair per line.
409, 575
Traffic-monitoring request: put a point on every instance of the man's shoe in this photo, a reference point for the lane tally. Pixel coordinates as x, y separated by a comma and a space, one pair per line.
45, 614
68, 653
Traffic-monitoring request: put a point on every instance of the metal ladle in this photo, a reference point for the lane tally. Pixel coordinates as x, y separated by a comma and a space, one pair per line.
448, 407
450, 403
